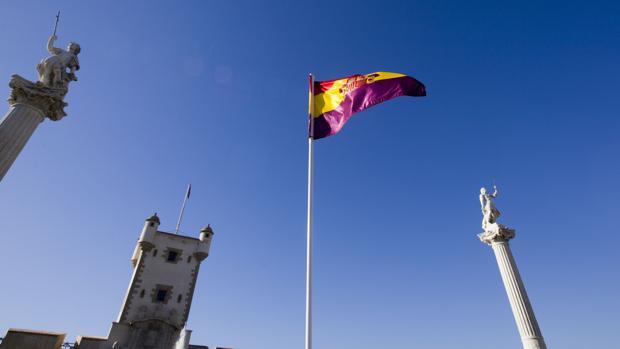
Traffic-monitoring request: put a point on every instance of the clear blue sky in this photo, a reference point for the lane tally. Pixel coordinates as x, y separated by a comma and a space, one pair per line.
215, 93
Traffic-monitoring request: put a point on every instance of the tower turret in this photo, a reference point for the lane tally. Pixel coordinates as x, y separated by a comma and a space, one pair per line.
145, 242
206, 234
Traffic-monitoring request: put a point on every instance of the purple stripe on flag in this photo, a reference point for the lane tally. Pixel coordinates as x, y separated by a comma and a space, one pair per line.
365, 97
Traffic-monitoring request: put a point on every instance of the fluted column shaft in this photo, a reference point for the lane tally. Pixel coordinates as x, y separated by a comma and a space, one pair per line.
15, 129
531, 335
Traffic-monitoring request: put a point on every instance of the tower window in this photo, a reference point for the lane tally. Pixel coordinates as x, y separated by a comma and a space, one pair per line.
161, 295
142, 293
179, 299
189, 259
172, 255
154, 252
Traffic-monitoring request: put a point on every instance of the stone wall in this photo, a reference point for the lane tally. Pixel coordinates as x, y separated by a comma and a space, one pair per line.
84, 342
28, 339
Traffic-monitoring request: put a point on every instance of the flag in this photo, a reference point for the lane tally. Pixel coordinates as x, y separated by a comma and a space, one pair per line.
336, 100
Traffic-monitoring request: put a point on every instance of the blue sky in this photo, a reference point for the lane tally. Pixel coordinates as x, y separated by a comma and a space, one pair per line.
215, 93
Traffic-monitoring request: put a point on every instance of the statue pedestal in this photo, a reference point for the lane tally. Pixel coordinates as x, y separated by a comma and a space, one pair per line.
498, 237
29, 103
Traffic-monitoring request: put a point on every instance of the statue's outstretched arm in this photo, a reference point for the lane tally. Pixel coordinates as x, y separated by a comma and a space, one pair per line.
50, 45
495, 192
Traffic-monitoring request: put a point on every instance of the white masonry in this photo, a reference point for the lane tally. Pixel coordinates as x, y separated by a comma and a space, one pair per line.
159, 297
29, 104
33, 101
517, 296
497, 236
15, 129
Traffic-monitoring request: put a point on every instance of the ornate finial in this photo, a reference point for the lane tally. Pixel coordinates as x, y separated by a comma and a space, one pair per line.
492, 230
207, 230
153, 218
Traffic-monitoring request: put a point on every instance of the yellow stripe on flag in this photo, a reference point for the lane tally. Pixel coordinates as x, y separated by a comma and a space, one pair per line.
329, 100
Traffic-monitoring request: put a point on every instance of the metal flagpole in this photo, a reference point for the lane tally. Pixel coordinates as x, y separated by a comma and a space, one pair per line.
189, 190
309, 221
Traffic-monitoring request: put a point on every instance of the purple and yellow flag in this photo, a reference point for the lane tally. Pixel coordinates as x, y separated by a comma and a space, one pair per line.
336, 100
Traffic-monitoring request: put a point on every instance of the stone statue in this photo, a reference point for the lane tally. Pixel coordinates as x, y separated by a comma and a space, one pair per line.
59, 69
55, 73
492, 230
490, 213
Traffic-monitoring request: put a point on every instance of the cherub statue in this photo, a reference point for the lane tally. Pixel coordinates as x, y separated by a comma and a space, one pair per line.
59, 69
490, 213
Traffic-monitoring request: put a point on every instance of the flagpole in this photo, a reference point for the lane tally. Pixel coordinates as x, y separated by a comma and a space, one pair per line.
189, 188
309, 218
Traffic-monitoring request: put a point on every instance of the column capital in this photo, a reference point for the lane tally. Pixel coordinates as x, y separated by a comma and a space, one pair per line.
496, 233
49, 100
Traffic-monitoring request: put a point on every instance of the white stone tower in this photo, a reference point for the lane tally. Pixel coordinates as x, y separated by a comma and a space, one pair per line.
497, 236
159, 297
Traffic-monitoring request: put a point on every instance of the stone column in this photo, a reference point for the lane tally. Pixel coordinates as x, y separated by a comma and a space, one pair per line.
29, 104
497, 237
15, 130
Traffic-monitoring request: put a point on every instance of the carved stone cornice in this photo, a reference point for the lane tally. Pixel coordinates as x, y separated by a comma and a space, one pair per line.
49, 100
496, 233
